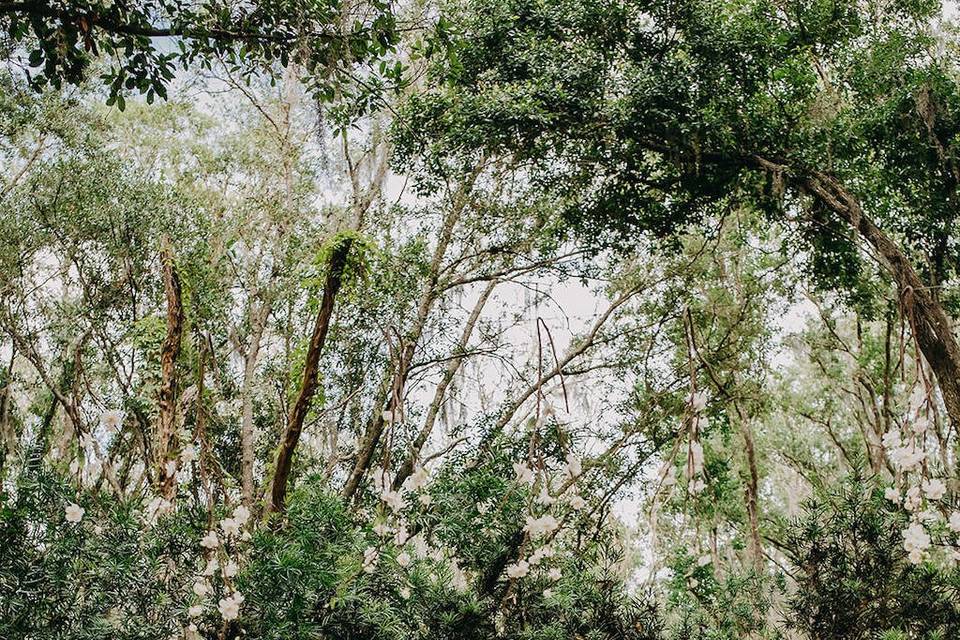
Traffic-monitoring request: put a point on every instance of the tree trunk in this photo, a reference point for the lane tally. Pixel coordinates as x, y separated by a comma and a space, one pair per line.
168, 375
308, 385
258, 320
8, 436
751, 492
927, 318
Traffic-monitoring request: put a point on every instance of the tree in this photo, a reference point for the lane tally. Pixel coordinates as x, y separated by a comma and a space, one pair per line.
142, 42
841, 120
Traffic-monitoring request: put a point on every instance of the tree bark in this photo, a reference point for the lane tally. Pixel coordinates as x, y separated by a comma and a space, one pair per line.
168, 375
751, 491
8, 436
308, 385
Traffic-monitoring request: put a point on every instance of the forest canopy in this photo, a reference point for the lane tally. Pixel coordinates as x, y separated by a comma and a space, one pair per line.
519, 319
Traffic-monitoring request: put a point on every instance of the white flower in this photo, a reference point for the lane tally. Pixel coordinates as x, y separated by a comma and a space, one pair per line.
548, 593
574, 466
539, 555
891, 439
420, 546
542, 525
241, 514
74, 512
401, 536
907, 458
210, 541
211, 568
544, 496
554, 573
188, 454
393, 499
934, 488
458, 578
576, 502
425, 499
230, 527
696, 487
954, 522
195, 611
704, 560
696, 456
111, 420
370, 558
523, 473
892, 494
518, 569
230, 606
171, 468
404, 559
915, 542
913, 498
405, 593
157, 507
697, 401
231, 569
417, 480
928, 515
382, 529
388, 416
483, 507
201, 588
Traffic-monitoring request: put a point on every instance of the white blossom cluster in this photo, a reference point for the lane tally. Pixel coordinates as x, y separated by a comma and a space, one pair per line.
222, 558
541, 529
915, 490
392, 527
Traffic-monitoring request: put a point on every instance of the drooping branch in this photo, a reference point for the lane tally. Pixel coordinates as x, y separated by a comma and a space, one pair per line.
575, 351
926, 316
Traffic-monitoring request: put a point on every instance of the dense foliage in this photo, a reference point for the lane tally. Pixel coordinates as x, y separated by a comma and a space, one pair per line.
479, 319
